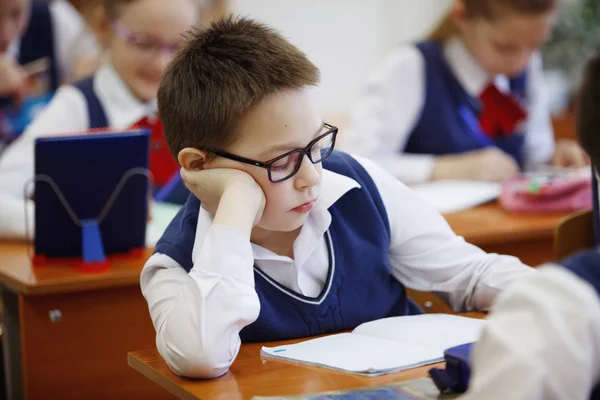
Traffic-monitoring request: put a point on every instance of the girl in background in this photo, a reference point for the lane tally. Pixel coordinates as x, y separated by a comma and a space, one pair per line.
470, 103
143, 36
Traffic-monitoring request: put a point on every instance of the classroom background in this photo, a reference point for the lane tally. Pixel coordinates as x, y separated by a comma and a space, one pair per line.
71, 334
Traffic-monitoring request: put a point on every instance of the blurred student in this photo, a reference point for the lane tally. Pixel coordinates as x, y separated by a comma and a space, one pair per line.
36, 55
470, 103
542, 340
144, 36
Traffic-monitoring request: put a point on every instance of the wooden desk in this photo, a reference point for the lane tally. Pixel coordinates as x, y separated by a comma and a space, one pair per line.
104, 315
66, 333
250, 376
527, 236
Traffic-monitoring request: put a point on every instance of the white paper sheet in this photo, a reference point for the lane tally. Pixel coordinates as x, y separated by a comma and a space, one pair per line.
453, 196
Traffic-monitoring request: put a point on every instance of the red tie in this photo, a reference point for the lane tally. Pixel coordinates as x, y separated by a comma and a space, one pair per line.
162, 163
501, 113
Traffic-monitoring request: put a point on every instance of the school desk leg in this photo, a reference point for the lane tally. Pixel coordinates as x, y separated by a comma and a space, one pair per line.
11, 345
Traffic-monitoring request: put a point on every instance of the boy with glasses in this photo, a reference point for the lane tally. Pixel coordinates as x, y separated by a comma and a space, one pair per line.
283, 237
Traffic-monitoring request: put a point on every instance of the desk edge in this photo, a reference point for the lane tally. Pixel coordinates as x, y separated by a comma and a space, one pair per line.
172, 387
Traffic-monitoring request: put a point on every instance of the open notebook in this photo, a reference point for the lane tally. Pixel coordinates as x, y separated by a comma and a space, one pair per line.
384, 346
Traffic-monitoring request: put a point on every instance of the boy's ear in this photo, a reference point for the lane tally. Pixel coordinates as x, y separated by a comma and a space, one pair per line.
192, 159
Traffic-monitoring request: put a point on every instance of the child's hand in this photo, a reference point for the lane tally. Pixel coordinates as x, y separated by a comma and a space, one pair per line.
12, 78
490, 164
232, 196
569, 154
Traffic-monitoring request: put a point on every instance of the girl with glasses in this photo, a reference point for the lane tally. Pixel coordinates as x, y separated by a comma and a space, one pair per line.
143, 36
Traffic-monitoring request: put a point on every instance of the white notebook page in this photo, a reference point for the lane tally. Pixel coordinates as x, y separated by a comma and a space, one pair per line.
357, 354
386, 345
438, 331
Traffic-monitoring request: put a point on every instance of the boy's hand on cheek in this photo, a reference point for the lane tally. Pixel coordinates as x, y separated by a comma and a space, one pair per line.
232, 196
12, 78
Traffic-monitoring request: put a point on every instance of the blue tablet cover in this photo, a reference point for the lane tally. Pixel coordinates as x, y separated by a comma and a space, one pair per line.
87, 169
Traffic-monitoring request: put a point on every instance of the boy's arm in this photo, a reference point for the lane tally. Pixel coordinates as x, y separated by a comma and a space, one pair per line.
541, 341
426, 255
384, 117
198, 316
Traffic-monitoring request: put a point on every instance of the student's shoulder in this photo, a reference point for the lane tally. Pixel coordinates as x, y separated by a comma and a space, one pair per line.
586, 266
69, 95
66, 112
62, 12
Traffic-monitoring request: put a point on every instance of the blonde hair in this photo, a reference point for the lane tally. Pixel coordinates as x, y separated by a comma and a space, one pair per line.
445, 29
488, 9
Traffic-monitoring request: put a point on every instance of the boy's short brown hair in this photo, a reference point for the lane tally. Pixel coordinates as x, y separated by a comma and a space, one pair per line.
588, 111
222, 72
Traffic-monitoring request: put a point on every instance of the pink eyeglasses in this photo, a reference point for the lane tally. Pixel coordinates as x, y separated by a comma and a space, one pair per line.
146, 44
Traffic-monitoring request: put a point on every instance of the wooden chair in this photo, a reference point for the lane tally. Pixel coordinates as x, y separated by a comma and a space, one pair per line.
575, 232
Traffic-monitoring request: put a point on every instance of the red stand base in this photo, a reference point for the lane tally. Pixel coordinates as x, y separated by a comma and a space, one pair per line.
41, 261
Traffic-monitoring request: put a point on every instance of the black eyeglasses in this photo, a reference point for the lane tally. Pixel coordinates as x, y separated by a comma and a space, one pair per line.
287, 165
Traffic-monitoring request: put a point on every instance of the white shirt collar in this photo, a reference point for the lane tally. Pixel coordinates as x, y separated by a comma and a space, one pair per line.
122, 107
333, 187
467, 70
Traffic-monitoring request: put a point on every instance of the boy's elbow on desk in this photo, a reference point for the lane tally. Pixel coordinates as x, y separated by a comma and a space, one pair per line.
193, 363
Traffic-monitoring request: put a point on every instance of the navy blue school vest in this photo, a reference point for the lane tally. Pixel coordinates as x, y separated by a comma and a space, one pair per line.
449, 122
178, 194
360, 286
38, 41
96, 114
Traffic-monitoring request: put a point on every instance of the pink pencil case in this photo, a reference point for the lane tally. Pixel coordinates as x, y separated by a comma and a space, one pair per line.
547, 193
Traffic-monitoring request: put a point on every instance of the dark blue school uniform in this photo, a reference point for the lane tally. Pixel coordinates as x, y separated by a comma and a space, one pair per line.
360, 286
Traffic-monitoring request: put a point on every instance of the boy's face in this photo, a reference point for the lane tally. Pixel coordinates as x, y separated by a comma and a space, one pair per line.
505, 44
282, 122
151, 32
14, 15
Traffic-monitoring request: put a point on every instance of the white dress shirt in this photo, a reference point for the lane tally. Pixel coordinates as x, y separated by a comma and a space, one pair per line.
393, 101
198, 315
65, 115
541, 341
71, 38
